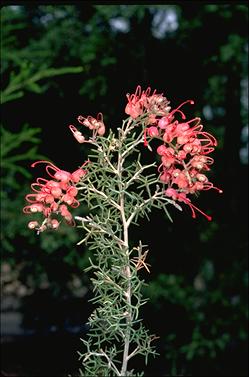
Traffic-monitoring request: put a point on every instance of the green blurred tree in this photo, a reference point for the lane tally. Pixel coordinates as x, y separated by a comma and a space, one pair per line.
18, 149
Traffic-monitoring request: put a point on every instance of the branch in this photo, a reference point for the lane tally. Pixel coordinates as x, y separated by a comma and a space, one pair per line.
138, 172
94, 142
157, 195
133, 145
133, 353
93, 224
101, 193
110, 363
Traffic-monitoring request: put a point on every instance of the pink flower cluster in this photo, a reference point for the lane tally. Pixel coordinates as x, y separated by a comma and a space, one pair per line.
95, 125
184, 145
53, 197
142, 102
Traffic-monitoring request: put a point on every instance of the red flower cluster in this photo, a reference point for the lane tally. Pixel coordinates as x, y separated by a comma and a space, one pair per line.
184, 149
53, 197
95, 125
141, 102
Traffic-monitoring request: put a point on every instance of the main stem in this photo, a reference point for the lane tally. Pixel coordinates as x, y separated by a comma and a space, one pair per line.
128, 291
127, 268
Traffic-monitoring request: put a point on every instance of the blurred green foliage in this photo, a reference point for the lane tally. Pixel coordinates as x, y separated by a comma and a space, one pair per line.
20, 148
209, 333
11, 155
198, 284
19, 66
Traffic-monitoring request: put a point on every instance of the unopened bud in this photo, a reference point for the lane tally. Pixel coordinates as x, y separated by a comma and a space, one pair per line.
33, 224
153, 131
101, 130
55, 223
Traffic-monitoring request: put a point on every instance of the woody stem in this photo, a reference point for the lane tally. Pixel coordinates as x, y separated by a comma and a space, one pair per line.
127, 270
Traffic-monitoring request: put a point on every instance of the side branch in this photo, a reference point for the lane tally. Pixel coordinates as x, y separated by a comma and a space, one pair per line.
94, 142
94, 225
157, 196
103, 354
101, 193
136, 175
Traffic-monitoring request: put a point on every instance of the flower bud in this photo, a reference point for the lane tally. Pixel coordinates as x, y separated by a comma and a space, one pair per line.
163, 122
36, 207
33, 224
152, 131
55, 224
63, 176
49, 199
69, 199
101, 130
161, 150
56, 192
72, 191
77, 174
171, 193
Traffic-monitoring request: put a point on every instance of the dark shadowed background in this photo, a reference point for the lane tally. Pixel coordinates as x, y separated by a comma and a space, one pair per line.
60, 61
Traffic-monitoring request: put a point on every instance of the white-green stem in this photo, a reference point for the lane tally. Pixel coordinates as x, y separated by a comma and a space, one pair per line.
127, 267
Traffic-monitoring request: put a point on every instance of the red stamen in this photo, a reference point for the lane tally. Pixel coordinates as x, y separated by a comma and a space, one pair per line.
100, 117
209, 186
53, 168
73, 128
209, 218
75, 203
40, 186
85, 163
81, 119
207, 150
178, 111
211, 138
189, 100
138, 91
193, 208
147, 92
145, 141
42, 179
195, 119
43, 162
31, 196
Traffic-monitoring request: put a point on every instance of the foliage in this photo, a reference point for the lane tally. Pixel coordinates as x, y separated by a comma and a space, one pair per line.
21, 73
197, 297
25, 80
11, 155
117, 192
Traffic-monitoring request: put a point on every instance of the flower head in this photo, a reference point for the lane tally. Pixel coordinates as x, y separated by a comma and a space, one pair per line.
143, 102
96, 125
53, 197
184, 147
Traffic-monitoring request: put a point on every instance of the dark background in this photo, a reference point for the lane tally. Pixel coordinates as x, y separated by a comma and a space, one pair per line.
198, 281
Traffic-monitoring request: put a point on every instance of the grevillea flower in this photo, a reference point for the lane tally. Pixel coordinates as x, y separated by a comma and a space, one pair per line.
53, 197
97, 127
144, 102
184, 147
77, 134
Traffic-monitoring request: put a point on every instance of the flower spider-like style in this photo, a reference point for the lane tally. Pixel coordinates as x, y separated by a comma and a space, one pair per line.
53, 197
184, 147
